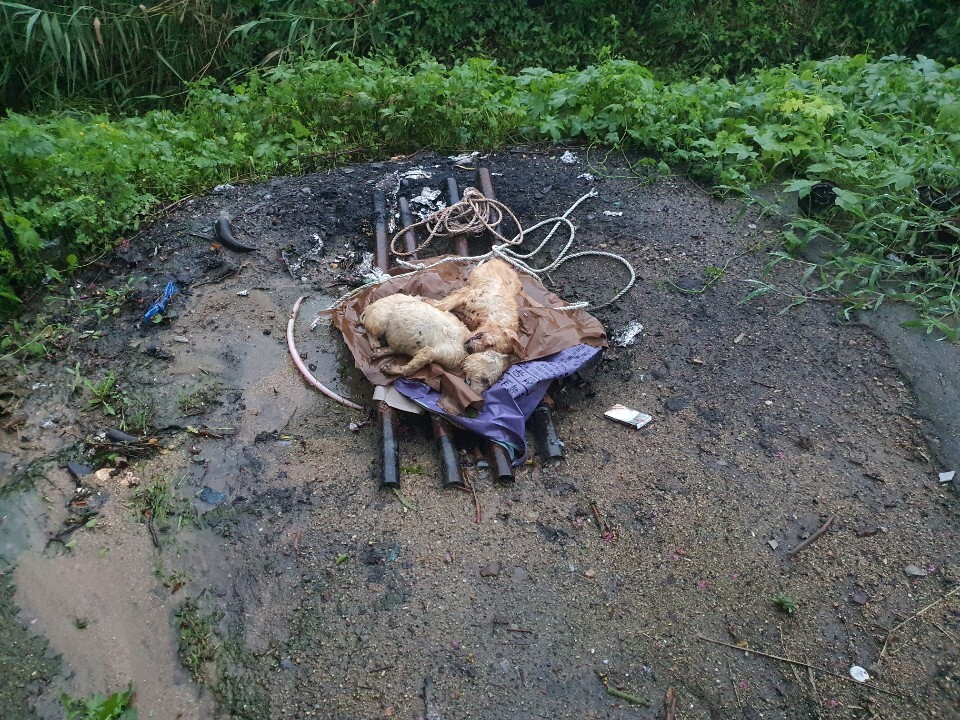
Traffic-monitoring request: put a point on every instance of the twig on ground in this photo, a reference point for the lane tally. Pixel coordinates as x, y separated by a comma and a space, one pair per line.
403, 500
613, 692
801, 664
602, 525
478, 513
813, 538
222, 276
917, 614
670, 704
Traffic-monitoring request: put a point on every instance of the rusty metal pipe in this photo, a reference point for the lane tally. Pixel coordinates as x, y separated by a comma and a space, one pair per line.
442, 430
460, 244
386, 415
500, 463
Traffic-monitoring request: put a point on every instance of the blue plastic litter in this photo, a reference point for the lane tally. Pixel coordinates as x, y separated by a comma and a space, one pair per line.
160, 305
209, 495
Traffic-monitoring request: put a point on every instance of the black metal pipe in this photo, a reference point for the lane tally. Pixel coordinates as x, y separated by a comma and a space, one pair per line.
386, 415
389, 448
442, 430
381, 251
544, 434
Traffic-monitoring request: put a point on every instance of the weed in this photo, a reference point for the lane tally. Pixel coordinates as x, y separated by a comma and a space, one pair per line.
77, 380
117, 706
197, 401
104, 392
81, 623
158, 503
108, 302
785, 603
198, 641
133, 412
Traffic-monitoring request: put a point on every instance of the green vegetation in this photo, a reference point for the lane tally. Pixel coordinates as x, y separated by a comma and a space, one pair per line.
113, 707
198, 641
884, 132
785, 603
107, 53
157, 503
197, 401
881, 136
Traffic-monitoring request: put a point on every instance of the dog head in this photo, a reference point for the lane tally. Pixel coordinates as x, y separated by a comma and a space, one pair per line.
490, 338
483, 369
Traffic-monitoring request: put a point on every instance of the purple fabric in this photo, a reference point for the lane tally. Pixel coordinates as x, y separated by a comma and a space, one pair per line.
508, 403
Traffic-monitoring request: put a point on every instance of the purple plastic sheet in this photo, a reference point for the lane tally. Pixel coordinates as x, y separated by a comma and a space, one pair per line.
508, 404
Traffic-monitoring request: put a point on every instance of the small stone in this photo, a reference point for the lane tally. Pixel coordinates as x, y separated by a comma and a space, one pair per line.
859, 598
773, 544
519, 574
590, 574
181, 339
491, 569
914, 571
287, 664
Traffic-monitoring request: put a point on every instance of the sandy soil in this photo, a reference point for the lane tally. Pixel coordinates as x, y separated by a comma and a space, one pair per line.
307, 592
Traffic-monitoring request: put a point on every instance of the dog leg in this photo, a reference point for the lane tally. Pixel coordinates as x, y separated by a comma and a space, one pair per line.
451, 301
423, 358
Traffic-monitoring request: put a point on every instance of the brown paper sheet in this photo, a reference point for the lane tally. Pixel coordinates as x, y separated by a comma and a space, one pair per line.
544, 330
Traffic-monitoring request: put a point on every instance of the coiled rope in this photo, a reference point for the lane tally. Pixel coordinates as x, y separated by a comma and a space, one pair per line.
476, 213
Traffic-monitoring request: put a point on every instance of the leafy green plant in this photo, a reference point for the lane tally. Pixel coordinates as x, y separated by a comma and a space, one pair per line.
118, 706
882, 133
785, 603
104, 393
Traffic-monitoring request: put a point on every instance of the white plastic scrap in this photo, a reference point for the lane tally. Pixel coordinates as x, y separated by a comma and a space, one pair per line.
859, 674
426, 197
427, 202
223, 188
946, 477
586, 176
628, 336
366, 264
611, 213
416, 174
569, 158
465, 158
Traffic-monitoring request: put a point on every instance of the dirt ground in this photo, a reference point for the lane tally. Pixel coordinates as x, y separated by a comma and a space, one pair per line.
304, 592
